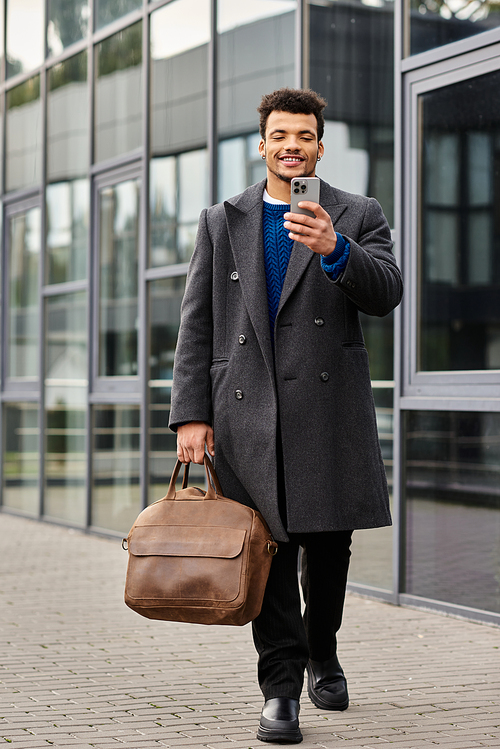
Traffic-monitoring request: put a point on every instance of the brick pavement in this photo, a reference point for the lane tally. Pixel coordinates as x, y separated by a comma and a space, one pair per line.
79, 669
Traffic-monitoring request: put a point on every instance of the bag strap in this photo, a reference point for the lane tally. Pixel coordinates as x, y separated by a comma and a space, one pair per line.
214, 488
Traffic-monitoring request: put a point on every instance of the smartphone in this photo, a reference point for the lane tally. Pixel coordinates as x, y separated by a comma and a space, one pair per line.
304, 188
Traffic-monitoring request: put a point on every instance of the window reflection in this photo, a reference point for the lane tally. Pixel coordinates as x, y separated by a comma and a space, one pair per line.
180, 33
23, 303
67, 119
118, 283
460, 231
357, 81
25, 42
68, 22
240, 165
109, 10
23, 135
115, 466
66, 407
453, 507
437, 22
165, 298
21, 457
243, 76
67, 220
118, 93
178, 192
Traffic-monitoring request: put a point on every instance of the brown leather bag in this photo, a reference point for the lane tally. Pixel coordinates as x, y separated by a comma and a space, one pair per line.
198, 557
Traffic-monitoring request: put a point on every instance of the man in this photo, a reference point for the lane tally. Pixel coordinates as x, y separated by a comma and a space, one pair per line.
271, 376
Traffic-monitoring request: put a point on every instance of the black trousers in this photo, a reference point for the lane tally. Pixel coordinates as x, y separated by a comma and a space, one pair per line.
285, 639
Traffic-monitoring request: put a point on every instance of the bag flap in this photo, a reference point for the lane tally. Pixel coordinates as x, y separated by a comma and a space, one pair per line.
186, 541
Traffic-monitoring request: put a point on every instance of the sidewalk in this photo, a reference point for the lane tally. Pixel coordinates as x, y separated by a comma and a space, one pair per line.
79, 669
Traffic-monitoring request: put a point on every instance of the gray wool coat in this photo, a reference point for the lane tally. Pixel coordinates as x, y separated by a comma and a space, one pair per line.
317, 385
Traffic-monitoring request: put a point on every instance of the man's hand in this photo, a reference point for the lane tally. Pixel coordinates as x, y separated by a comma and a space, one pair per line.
316, 233
191, 440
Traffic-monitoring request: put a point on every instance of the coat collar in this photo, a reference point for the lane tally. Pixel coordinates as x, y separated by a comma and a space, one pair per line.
244, 225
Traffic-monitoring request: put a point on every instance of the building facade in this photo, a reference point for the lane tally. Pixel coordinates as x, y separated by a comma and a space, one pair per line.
121, 120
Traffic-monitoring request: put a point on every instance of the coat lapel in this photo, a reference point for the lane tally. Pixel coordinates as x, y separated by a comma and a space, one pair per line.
301, 255
244, 225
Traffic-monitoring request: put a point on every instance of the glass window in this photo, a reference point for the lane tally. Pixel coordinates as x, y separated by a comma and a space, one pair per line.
65, 407
25, 35
433, 24
243, 75
21, 457
240, 165
453, 507
115, 467
24, 135
67, 119
178, 192
118, 282
109, 10
459, 310
180, 33
165, 298
118, 93
68, 22
23, 293
356, 79
67, 230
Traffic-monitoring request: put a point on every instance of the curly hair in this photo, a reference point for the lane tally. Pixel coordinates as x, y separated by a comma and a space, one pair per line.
294, 101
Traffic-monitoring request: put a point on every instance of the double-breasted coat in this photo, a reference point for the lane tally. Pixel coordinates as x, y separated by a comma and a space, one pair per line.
316, 383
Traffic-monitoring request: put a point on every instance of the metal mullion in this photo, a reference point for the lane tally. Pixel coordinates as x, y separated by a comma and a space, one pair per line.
69, 287
302, 51
143, 342
166, 271
41, 284
399, 540
117, 162
212, 94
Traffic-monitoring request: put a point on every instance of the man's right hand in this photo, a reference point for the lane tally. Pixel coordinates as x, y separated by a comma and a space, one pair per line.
191, 440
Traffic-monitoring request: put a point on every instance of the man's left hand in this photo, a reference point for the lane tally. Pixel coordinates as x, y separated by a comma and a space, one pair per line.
316, 233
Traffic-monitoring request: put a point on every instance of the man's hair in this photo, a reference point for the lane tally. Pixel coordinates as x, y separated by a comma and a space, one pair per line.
294, 101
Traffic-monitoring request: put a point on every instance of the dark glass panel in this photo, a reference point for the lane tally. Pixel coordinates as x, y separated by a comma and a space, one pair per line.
118, 93
109, 10
179, 58
23, 294
21, 457
352, 66
453, 507
68, 22
118, 282
116, 436
23, 136
67, 220
459, 236
437, 22
178, 191
67, 119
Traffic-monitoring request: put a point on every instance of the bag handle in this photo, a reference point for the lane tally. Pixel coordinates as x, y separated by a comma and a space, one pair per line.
214, 487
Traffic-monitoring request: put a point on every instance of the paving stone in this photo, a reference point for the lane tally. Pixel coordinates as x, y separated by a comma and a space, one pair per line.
79, 669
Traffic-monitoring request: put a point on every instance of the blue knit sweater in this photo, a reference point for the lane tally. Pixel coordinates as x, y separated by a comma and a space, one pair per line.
277, 251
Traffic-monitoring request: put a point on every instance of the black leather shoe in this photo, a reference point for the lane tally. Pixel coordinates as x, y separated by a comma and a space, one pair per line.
279, 721
327, 685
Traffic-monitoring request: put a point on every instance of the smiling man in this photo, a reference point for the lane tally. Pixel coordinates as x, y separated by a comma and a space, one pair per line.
271, 376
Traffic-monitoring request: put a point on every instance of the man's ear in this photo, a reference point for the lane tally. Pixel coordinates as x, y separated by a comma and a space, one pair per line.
321, 148
262, 147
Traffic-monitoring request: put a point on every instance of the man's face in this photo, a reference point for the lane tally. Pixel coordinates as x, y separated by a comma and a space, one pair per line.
291, 145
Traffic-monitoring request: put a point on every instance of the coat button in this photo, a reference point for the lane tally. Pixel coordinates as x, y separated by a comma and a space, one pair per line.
234, 276
324, 377
242, 339
319, 321
238, 395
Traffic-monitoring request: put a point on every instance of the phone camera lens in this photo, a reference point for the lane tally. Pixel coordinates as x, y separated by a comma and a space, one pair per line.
296, 189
